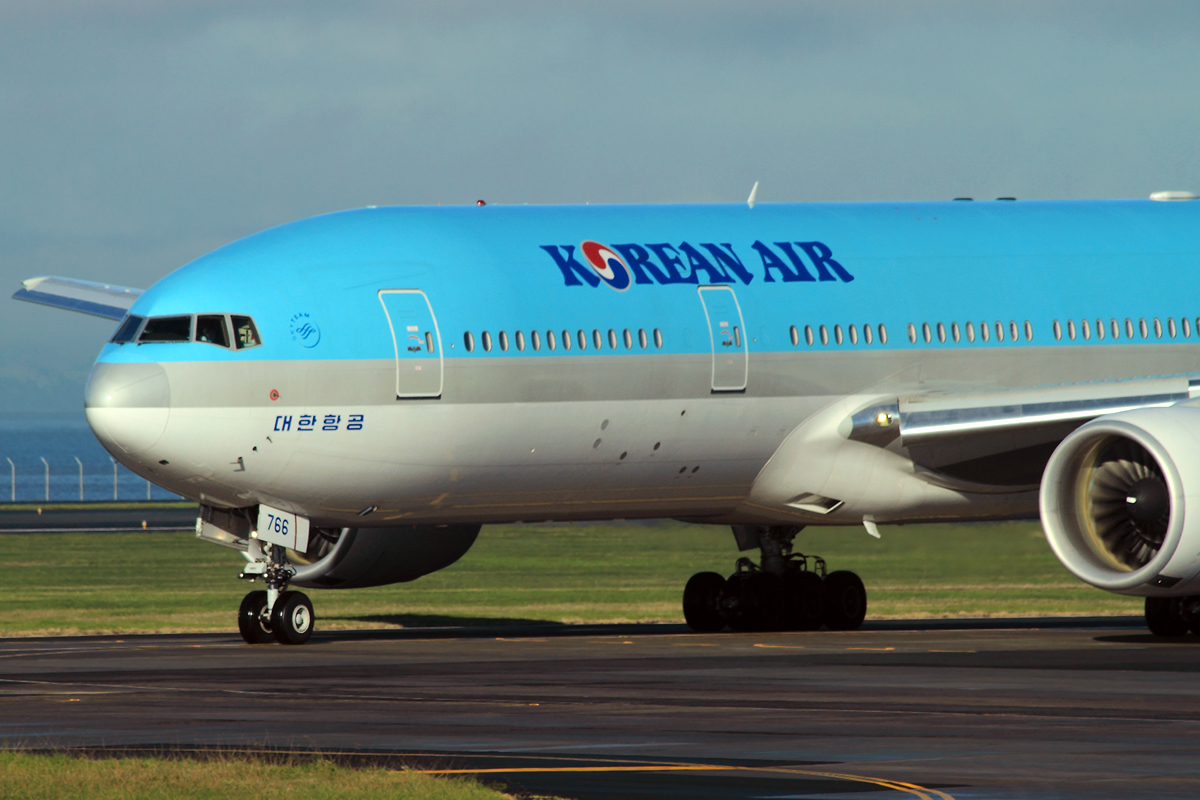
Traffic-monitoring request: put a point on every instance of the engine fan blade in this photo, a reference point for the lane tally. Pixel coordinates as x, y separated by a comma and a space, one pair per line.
1127, 474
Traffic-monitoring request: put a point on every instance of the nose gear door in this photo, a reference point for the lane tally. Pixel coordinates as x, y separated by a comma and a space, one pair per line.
726, 329
417, 342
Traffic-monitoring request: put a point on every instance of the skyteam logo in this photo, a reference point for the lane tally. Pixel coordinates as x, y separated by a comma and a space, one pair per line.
304, 330
607, 264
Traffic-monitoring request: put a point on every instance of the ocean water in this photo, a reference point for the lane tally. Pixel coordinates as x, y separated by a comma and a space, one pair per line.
60, 439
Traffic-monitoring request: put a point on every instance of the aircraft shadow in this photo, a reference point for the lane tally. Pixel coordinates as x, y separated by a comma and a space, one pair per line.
1148, 638
445, 621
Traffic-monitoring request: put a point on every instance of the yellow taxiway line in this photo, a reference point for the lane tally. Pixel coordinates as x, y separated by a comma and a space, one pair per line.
899, 786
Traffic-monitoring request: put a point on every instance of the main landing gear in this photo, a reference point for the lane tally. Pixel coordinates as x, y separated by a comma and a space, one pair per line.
275, 614
1173, 616
786, 591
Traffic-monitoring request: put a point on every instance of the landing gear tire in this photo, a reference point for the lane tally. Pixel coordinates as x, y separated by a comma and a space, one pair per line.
755, 601
1164, 616
804, 600
702, 602
845, 601
292, 618
252, 621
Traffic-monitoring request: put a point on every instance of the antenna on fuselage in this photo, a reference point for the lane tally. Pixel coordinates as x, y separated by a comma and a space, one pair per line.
753, 198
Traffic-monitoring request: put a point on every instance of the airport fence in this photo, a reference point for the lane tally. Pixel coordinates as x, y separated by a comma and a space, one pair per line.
72, 480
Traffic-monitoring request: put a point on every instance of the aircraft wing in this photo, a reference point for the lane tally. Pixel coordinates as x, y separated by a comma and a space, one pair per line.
1006, 436
86, 297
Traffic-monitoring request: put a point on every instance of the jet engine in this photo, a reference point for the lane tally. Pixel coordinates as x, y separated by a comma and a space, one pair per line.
378, 556
1114, 502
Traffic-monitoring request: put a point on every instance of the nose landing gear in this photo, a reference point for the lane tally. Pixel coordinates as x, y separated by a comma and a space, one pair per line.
275, 614
785, 591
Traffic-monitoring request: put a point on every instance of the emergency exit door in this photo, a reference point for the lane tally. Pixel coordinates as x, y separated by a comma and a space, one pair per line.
730, 365
417, 341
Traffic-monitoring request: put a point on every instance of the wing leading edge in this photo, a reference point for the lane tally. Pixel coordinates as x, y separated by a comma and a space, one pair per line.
86, 297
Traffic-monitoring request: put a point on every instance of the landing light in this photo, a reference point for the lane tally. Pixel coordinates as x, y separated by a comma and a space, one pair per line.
883, 419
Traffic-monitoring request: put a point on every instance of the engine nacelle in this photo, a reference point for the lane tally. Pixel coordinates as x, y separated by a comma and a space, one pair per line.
379, 556
1115, 498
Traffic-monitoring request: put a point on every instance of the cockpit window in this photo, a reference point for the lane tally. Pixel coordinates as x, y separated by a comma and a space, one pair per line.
210, 329
128, 329
244, 333
167, 329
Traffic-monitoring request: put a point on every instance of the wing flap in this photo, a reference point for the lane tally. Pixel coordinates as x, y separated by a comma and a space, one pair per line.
86, 297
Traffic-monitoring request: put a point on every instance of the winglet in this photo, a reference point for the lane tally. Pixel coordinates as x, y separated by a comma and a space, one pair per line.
753, 198
86, 297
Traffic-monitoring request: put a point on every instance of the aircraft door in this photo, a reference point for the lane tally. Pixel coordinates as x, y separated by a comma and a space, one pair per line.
727, 331
417, 342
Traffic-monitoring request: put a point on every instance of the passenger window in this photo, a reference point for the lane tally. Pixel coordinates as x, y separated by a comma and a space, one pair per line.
955, 333
1071, 329
520, 337
1057, 330
824, 335
1116, 329
597, 339
926, 333
469, 341
1086, 328
853, 331
1099, 329
1000, 331
612, 339
808, 334
1142, 327
210, 329
244, 333
1157, 328
1187, 330
504, 341
566, 340
867, 333
642, 337
167, 329
429, 341
550, 340
582, 340
1029, 331
795, 335
941, 329
127, 329
912, 333
1128, 328
837, 333
535, 340
1171, 331
970, 331
658, 338
487, 341
1012, 330
628, 337
984, 331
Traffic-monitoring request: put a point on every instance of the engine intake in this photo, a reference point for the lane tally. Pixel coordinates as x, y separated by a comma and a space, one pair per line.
1114, 500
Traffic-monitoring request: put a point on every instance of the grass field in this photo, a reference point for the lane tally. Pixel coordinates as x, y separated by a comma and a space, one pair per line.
144, 582
60, 777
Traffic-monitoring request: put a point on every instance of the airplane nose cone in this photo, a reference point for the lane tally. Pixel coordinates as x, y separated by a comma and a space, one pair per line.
127, 405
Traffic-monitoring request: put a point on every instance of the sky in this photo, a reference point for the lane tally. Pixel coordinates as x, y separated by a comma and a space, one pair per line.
136, 135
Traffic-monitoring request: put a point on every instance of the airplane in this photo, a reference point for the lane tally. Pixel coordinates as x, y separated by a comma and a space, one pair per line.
350, 397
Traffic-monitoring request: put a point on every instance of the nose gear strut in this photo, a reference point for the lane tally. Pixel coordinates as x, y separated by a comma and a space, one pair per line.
275, 614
